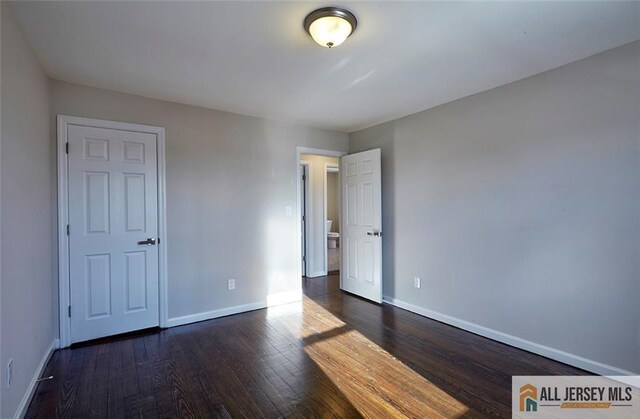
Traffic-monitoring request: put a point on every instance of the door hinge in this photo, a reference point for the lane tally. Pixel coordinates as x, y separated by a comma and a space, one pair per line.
69, 310
304, 177
68, 229
303, 218
66, 148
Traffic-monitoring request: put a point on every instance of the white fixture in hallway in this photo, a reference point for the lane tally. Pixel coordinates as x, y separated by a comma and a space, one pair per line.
332, 236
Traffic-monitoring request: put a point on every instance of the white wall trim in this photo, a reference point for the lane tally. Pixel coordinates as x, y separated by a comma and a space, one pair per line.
213, 314
63, 216
285, 297
308, 237
272, 301
28, 395
536, 348
318, 152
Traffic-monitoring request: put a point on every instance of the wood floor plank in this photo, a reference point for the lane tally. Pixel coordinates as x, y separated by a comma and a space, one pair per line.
334, 355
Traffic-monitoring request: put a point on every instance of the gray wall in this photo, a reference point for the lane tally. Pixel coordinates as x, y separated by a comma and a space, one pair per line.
519, 207
26, 281
229, 178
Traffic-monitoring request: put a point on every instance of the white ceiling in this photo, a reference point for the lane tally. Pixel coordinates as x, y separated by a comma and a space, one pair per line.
255, 58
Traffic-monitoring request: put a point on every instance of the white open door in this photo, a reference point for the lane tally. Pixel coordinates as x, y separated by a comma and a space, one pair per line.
361, 241
113, 230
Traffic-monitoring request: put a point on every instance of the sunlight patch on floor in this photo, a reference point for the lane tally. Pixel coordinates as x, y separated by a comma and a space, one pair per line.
374, 381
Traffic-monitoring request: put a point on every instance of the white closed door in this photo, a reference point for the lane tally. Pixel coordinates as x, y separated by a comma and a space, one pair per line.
361, 241
113, 227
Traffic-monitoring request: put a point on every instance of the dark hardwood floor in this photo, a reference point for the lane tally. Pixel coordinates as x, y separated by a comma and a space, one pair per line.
334, 355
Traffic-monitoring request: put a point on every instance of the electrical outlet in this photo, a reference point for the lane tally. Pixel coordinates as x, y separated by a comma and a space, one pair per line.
9, 372
231, 284
416, 282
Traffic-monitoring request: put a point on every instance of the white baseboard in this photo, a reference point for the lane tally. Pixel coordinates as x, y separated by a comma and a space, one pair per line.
272, 300
24, 403
208, 315
555, 354
286, 297
317, 274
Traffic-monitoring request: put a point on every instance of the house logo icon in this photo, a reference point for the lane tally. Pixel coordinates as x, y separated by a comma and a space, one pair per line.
528, 398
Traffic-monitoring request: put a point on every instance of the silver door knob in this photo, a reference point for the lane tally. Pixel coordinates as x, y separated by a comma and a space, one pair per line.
149, 242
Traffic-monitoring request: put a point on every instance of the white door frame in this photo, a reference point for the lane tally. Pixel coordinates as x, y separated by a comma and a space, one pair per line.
319, 152
63, 216
307, 205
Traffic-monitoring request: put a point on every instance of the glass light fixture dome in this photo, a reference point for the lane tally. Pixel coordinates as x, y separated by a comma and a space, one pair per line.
330, 26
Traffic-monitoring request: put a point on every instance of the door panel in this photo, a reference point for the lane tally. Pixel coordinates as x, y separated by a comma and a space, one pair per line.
98, 277
368, 212
95, 149
135, 279
113, 205
134, 202
362, 233
352, 205
352, 258
97, 202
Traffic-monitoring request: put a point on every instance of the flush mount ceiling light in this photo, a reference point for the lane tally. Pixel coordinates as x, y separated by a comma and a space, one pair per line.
330, 26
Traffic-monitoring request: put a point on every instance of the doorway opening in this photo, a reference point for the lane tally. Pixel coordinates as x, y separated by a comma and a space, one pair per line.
332, 217
319, 211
